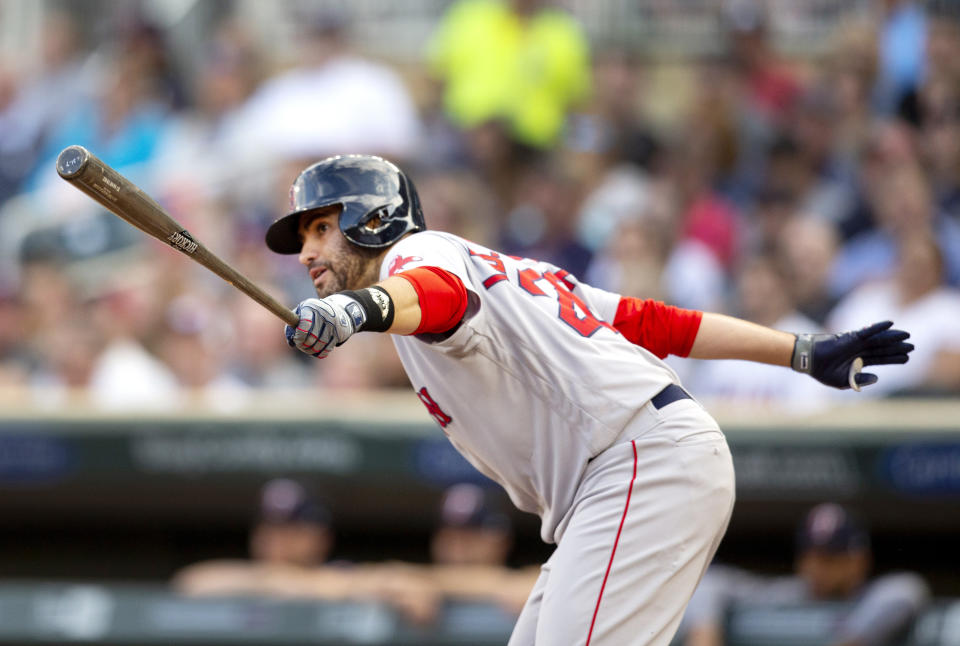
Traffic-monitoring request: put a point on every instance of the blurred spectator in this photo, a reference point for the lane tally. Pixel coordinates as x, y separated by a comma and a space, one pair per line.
850, 71
824, 183
833, 563
458, 202
621, 193
938, 108
127, 374
769, 87
542, 222
901, 58
122, 126
260, 358
197, 360
917, 299
334, 102
59, 370
940, 151
15, 357
41, 100
708, 235
807, 246
371, 364
144, 45
193, 151
901, 203
764, 296
611, 151
617, 89
632, 264
763, 89
520, 61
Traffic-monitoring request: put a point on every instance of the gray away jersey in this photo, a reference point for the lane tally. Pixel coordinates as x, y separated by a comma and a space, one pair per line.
535, 381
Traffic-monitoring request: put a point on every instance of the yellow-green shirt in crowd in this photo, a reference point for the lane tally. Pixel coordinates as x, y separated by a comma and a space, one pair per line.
499, 65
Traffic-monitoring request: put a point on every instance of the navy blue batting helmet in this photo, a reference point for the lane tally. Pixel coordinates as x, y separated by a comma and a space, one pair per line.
379, 202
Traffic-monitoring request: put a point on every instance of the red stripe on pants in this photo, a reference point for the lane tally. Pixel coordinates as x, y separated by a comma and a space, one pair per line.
623, 518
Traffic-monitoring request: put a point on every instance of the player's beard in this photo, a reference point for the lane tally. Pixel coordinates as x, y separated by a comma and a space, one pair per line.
349, 267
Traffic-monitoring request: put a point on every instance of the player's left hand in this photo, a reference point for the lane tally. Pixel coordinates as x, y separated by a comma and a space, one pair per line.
324, 324
830, 358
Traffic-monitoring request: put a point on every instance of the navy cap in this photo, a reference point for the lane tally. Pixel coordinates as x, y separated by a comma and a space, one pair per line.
467, 505
286, 501
831, 528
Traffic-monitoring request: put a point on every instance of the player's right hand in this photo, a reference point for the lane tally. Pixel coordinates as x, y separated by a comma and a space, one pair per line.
324, 324
828, 357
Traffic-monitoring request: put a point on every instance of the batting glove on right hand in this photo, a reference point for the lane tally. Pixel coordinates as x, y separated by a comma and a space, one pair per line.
324, 324
829, 358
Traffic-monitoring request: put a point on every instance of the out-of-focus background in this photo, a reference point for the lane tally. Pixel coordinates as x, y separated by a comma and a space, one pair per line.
171, 472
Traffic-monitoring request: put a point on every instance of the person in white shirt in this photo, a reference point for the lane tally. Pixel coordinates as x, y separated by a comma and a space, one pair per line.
917, 296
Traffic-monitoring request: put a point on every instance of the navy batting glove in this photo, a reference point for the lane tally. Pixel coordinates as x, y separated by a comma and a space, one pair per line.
829, 358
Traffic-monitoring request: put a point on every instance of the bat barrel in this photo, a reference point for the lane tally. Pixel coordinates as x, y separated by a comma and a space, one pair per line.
116, 193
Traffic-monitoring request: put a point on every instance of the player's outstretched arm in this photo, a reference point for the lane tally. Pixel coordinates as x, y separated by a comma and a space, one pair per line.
828, 358
391, 306
418, 301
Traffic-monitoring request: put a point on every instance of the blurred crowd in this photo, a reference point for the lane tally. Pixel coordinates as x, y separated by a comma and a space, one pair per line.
811, 193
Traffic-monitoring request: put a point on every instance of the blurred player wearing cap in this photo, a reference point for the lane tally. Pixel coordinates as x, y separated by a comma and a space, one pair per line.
291, 534
552, 388
290, 546
469, 550
833, 562
470, 529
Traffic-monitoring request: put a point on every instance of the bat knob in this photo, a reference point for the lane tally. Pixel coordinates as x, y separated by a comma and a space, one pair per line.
72, 161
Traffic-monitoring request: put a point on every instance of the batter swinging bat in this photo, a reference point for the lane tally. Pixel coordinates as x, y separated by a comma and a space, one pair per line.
81, 168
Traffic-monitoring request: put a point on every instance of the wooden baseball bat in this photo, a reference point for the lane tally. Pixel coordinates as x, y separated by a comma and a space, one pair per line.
116, 193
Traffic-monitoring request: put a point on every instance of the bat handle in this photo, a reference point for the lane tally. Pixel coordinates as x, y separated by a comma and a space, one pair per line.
288, 316
855, 369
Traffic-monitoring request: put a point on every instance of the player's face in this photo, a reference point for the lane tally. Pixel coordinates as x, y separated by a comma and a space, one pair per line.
831, 575
469, 546
334, 264
300, 544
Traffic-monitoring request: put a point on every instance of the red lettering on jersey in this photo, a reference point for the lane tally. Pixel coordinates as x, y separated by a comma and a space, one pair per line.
493, 259
400, 262
572, 310
563, 275
528, 278
583, 322
434, 408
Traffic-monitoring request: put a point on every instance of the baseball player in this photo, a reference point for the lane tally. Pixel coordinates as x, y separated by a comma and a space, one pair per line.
554, 389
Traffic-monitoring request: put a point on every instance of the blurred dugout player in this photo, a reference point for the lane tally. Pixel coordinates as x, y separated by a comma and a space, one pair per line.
470, 547
290, 535
290, 546
833, 563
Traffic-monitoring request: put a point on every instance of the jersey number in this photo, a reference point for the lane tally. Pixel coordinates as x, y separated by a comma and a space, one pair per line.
572, 310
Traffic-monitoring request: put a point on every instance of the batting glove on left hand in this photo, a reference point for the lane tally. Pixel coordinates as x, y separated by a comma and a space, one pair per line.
324, 324
829, 358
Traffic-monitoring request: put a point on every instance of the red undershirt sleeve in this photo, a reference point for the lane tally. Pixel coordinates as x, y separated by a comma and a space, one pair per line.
442, 296
661, 329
